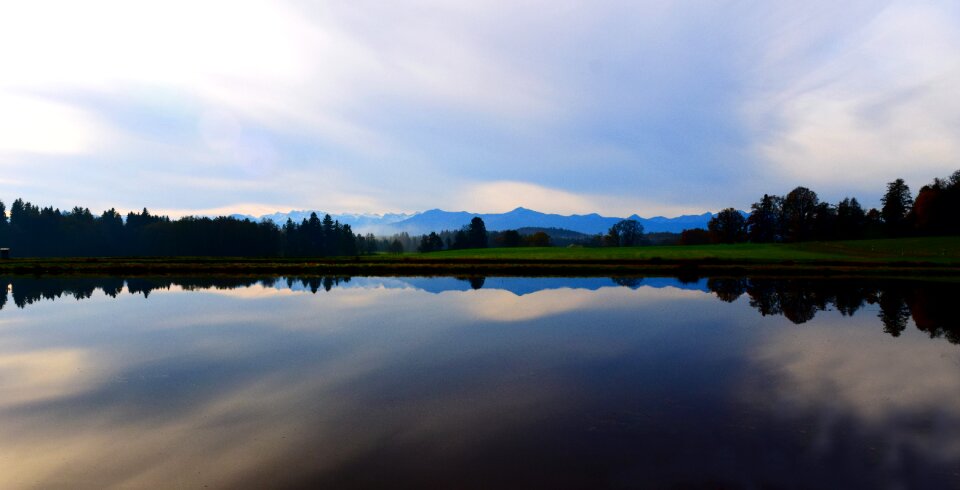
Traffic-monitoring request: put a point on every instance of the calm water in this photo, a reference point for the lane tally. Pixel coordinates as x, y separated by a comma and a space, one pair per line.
473, 383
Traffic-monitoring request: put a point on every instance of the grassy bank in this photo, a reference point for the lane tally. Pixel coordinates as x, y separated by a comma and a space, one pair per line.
911, 257
939, 250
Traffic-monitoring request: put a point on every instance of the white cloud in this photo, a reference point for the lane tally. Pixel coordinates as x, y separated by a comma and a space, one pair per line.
252, 209
879, 103
502, 196
620, 107
505, 195
305, 70
36, 125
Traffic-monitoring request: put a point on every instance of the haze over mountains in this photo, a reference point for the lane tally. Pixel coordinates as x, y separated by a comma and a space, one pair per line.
437, 220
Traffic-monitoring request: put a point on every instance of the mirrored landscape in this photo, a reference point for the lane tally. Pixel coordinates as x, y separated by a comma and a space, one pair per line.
497, 382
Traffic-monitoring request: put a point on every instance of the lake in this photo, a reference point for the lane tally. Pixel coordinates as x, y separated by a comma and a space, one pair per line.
479, 383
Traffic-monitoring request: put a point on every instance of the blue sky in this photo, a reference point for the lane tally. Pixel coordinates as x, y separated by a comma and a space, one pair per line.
615, 107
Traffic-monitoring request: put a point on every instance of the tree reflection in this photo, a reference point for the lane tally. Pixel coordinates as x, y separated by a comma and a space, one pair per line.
929, 304
894, 312
728, 289
28, 290
629, 282
476, 282
935, 311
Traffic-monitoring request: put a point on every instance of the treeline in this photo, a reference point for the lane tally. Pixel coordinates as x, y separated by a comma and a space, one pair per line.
32, 231
800, 216
625, 233
929, 304
473, 235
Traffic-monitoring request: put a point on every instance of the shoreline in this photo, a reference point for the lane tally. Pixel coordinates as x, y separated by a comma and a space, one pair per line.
419, 266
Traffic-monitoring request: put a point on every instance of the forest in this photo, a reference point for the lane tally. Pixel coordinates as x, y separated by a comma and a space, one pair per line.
798, 216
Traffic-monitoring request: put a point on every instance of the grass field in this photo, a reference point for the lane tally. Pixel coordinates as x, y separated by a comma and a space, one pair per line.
941, 250
909, 257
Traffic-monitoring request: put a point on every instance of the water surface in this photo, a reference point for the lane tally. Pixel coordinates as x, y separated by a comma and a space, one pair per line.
478, 383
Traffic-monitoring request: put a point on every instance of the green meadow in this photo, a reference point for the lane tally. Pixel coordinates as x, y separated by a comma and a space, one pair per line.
940, 250
907, 256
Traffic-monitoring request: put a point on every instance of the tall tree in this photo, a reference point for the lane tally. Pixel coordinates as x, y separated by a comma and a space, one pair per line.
4, 228
873, 224
850, 219
728, 226
799, 208
626, 233
477, 233
897, 202
430, 243
327, 236
764, 221
934, 211
928, 207
825, 222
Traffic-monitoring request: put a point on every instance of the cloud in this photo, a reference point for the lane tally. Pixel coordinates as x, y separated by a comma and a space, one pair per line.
612, 107
31, 125
505, 195
879, 104
309, 70
502, 196
251, 209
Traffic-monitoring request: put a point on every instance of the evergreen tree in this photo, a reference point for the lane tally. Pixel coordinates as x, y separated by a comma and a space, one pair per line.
850, 219
476, 233
897, 202
430, 243
4, 227
396, 247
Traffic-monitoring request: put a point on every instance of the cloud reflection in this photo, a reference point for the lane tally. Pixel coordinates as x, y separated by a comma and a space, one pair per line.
370, 386
835, 376
35, 376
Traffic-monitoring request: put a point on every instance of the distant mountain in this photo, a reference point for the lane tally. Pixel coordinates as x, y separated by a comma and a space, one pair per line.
438, 220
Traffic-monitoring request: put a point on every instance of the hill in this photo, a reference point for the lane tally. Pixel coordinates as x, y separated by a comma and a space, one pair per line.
438, 219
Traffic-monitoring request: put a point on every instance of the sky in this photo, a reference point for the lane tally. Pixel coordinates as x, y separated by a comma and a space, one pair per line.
616, 107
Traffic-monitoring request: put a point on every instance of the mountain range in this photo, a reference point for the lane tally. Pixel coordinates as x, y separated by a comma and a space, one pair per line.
438, 220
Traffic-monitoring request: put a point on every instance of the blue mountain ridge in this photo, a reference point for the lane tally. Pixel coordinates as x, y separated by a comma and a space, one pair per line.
438, 220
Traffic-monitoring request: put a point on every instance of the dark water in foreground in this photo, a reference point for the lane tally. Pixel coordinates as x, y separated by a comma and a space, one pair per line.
472, 383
